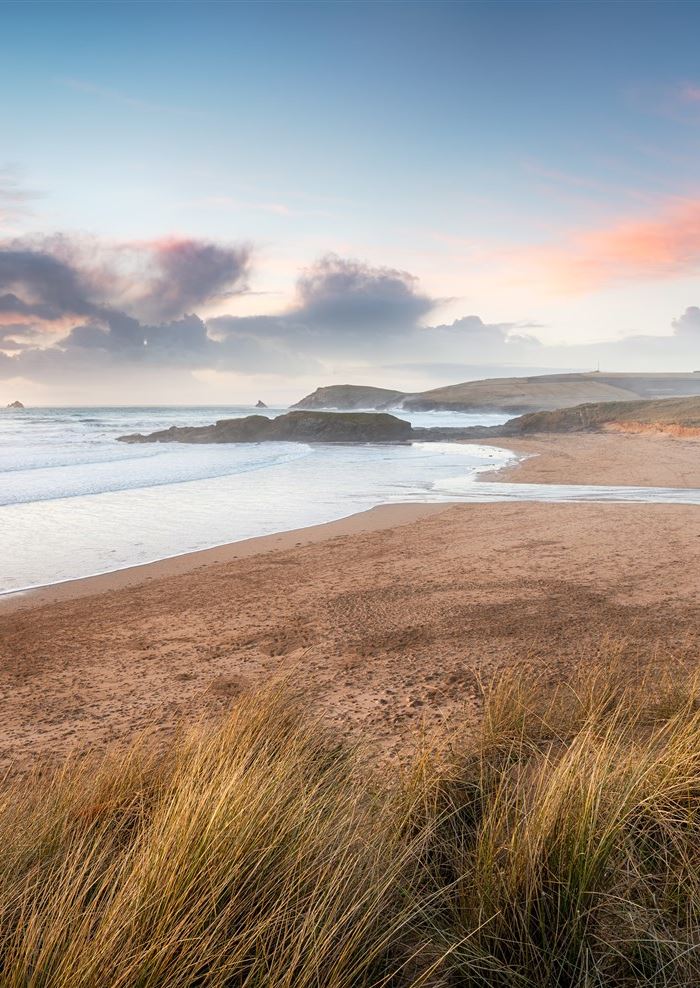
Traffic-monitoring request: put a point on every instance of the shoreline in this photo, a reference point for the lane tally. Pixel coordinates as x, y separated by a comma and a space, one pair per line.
376, 519
389, 620
547, 458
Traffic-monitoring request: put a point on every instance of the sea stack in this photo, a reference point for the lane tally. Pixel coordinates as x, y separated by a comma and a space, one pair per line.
15, 404
260, 404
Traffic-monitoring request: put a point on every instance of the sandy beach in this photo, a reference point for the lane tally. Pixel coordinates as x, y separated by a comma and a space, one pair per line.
389, 619
600, 458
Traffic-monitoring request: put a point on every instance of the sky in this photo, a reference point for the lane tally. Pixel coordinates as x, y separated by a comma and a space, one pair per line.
219, 202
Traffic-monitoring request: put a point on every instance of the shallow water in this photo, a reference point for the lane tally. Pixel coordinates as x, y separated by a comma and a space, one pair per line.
74, 502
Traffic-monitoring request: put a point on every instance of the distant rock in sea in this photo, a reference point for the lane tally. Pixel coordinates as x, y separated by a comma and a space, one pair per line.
15, 404
310, 427
260, 404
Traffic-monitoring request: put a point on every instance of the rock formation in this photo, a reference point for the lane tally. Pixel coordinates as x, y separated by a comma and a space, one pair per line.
260, 403
15, 404
310, 427
672, 416
676, 416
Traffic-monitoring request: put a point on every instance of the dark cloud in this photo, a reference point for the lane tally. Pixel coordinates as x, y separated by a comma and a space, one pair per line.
34, 282
343, 308
190, 273
52, 278
183, 343
125, 336
347, 296
134, 302
11, 305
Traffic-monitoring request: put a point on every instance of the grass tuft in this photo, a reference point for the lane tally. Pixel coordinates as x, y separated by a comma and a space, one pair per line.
559, 847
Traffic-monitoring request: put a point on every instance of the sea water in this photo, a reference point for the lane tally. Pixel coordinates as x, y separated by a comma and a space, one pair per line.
75, 502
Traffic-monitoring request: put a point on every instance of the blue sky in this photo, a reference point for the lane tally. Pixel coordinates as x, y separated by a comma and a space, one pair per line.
532, 164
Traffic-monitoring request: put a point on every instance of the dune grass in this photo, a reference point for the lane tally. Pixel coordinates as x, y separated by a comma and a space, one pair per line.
560, 847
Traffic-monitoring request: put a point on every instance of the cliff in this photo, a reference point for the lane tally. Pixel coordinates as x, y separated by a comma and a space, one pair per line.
674, 416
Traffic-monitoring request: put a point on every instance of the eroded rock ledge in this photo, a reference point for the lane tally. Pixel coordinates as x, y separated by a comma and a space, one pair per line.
319, 427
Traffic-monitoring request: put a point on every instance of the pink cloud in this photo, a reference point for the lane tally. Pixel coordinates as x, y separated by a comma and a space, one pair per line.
666, 245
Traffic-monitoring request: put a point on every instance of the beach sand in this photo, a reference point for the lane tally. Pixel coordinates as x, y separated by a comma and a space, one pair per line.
387, 620
599, 458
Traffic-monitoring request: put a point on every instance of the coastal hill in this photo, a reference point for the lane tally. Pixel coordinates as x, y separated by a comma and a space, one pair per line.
509, 394
347, 397
320, 427
673, 416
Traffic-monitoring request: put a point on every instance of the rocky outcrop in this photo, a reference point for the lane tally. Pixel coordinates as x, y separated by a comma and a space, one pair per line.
298, 426
672, 416
452, 434
15, 404
260, 404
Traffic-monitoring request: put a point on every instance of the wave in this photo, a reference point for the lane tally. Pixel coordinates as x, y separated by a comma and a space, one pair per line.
166, 466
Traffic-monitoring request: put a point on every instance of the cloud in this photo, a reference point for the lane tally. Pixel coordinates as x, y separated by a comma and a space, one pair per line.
18, 336
347, 296
484, 335
133, 305
189, 273
663, 245
174, 341
343, 308
689, 323
106, 312
55, 277
130, 305
48, 287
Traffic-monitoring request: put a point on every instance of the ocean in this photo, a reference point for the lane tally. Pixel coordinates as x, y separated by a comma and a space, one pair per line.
74, 502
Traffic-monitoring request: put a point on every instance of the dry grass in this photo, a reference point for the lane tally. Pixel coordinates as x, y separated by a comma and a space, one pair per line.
561, 848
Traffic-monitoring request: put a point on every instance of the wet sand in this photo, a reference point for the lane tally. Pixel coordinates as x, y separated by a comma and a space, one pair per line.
388, 619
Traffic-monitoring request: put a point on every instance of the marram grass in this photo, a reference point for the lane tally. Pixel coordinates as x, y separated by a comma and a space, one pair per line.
561, 847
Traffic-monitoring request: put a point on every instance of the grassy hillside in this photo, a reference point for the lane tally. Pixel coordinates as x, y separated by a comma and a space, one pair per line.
511, 394
668, 414
524, 392
349, 397
558, 847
